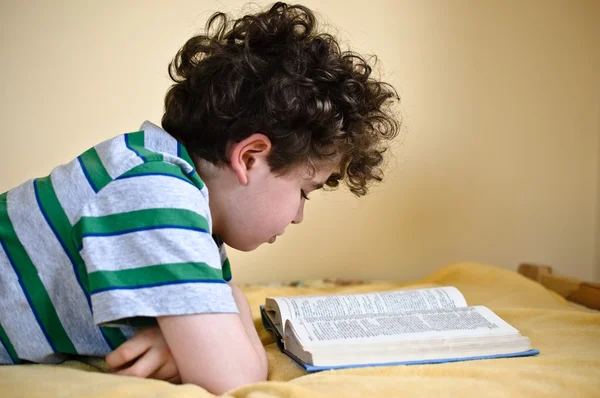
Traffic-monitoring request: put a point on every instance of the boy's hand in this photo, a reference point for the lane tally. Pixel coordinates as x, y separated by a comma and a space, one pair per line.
146, 354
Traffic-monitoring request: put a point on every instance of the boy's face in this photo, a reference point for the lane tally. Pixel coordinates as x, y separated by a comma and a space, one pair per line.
271, 205
257, 205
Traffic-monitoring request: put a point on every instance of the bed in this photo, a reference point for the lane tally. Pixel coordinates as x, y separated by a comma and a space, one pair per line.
566, 333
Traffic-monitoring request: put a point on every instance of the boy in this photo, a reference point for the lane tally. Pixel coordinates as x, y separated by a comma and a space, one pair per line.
263, 111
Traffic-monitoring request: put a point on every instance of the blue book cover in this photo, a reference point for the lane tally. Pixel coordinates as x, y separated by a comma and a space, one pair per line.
311, 368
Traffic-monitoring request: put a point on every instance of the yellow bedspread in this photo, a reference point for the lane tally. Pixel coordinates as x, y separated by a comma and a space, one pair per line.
568, 338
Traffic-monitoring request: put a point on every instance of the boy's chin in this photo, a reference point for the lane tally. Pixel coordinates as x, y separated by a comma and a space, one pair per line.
244, 246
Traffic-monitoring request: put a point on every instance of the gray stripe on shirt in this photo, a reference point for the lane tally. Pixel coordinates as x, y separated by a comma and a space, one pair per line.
55, 271
152, 247
4, 357
17, 318
116, 157
157, 140
146, 192
178, 299
72, 188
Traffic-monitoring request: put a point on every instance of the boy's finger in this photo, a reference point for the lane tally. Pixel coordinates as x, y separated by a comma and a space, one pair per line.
175, 380
130, 350
167, 372
144, 366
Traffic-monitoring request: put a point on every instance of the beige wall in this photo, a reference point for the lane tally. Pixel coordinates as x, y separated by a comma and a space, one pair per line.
597, 273
500, 160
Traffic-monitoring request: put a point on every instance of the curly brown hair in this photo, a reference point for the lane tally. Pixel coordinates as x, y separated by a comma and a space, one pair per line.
273, 73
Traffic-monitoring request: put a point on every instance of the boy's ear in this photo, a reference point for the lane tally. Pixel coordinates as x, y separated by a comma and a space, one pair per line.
244, 155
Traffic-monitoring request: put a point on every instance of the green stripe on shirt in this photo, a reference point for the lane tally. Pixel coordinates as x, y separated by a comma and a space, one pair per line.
138, 220
155, 163
33, 288
158, 168
59, 223
226, 267
94, 170
5, 341
154, 275
193, 175
196, 180
114, 336
135, 142
183, 154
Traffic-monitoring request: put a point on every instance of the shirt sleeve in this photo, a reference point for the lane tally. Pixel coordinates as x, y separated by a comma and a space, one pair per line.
147, 245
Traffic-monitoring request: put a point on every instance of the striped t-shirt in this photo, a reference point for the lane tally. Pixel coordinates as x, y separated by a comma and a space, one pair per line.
120, 235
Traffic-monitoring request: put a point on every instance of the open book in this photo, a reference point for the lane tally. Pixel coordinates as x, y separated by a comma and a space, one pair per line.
386, 328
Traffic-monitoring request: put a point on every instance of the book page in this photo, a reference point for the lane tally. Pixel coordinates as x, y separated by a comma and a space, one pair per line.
390, 302
433, 324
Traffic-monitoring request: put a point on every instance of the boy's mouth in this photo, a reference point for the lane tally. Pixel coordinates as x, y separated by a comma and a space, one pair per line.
272, 240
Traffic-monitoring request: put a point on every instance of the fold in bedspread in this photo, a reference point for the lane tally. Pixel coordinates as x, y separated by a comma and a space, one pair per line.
567, 337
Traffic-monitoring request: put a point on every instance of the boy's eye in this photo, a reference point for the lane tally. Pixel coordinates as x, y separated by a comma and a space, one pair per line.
303, 194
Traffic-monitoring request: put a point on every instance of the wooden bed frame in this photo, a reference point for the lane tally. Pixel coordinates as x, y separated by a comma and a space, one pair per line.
574, 290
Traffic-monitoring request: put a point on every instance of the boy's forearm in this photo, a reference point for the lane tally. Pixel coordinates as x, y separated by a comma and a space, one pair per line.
212, 350
248, 322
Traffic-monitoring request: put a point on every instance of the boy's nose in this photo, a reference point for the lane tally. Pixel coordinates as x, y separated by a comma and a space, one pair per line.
300, 215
